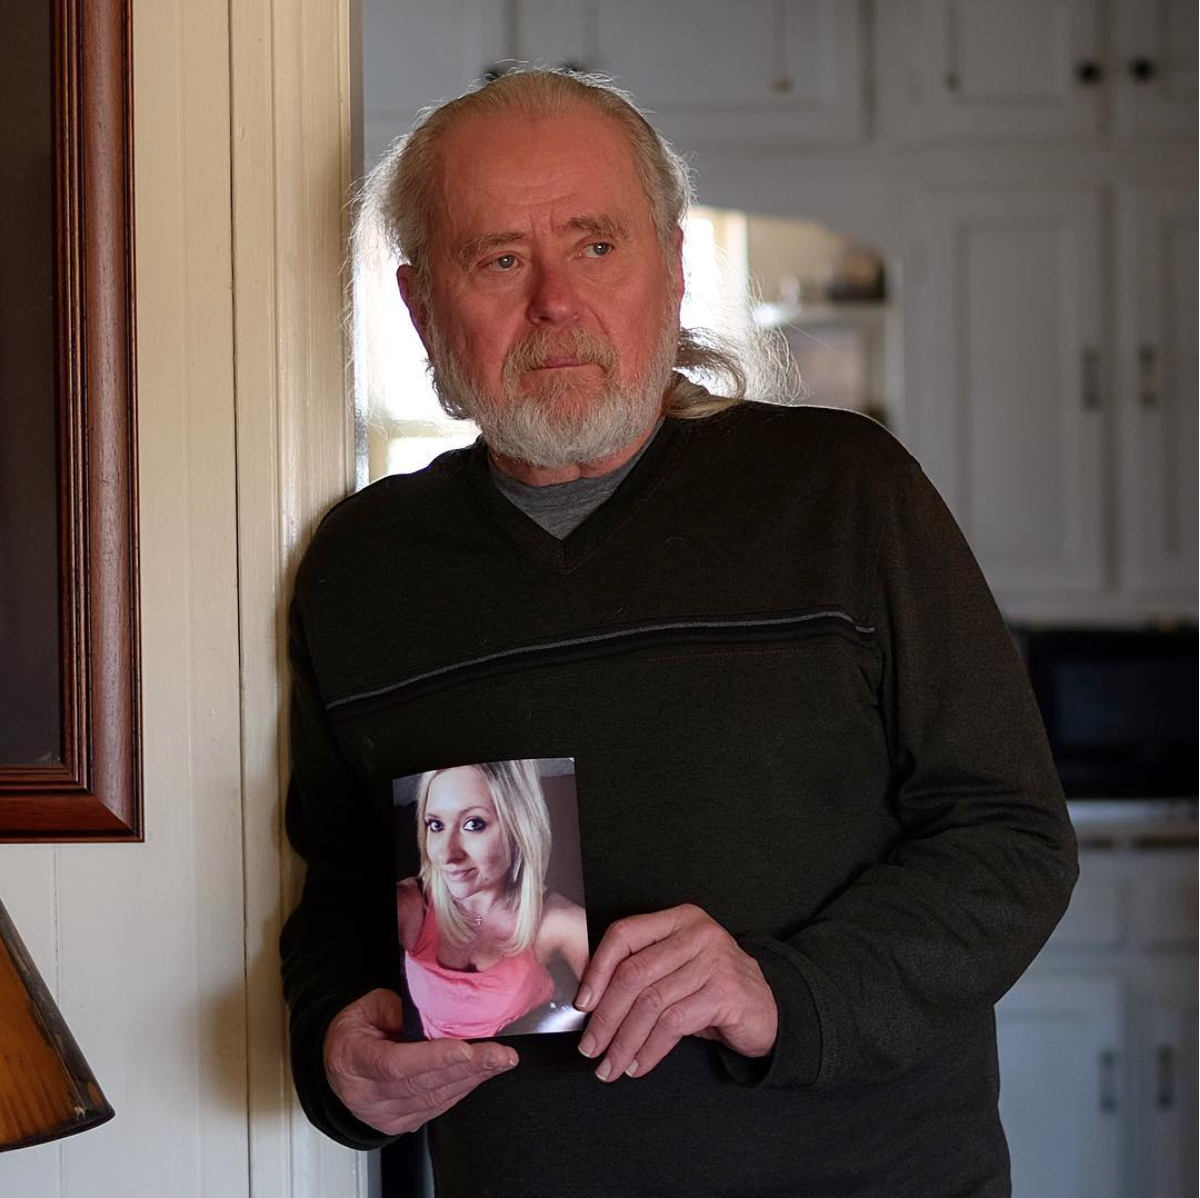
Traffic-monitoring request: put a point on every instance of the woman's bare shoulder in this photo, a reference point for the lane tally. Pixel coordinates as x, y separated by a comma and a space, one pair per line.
563, 932
555, 902
561, 915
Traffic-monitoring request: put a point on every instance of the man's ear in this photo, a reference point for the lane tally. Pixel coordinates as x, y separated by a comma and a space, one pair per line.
677, 261
406, 279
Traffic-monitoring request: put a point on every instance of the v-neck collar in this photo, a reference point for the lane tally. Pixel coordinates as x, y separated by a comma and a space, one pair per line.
542, 547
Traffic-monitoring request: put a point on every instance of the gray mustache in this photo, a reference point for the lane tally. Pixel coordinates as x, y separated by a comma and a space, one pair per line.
538, 347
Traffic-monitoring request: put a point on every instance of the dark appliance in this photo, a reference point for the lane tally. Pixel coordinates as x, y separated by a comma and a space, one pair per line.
1120, 707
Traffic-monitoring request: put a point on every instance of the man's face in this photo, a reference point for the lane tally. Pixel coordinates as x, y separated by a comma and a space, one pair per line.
554, 310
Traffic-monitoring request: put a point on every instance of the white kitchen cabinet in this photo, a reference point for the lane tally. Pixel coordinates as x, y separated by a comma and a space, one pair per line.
760, 72
1097, 1041
1061, 1084
1035, 70
416, 54
1154, 63
1016, 359
1059, 395
1156, 393
765, 72
1026, 69
1165, 1080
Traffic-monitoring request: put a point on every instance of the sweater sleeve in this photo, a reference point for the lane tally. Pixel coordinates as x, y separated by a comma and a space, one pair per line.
920, 945
340, 942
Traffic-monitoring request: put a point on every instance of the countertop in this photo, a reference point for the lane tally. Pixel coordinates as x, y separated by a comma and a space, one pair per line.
1145, 823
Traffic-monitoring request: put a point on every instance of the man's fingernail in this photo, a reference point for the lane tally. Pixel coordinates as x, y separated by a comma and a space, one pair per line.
583, 1000
632, 1070
604, 1070
587, 1046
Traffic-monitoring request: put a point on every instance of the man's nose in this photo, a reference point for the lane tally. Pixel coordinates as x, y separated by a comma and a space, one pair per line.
553, 300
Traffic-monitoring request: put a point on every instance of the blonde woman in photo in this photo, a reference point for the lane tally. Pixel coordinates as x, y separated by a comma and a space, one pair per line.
481, 933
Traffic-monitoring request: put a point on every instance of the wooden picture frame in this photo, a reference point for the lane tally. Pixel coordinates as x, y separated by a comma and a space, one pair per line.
91, 790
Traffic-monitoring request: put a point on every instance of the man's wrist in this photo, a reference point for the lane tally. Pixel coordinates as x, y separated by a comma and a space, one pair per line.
794, 1058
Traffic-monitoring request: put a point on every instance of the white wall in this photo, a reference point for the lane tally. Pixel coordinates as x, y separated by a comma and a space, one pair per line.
143, 943
162, 955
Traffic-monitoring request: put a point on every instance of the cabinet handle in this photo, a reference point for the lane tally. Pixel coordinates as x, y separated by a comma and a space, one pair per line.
1091, 380
1147, 376
782, 83
1108, 1080
1165, 1098
1142, 70
1089, 72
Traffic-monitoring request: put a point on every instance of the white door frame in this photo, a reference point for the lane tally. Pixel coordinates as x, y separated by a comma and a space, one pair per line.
294, 83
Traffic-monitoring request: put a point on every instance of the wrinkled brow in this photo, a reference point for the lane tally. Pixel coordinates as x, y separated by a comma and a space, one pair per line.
599, 226
469, 251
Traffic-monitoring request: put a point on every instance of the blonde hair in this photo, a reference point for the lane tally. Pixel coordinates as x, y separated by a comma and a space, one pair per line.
516, 792
399, 199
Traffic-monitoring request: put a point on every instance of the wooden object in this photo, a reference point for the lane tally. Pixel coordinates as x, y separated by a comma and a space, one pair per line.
93, 790
46, 1088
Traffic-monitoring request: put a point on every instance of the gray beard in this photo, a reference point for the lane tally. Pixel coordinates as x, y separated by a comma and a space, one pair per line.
549, 428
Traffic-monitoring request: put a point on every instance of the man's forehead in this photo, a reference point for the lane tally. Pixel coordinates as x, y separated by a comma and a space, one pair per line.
477, 132
579, 157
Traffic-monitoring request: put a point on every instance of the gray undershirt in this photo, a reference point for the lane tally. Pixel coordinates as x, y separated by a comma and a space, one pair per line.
562, 507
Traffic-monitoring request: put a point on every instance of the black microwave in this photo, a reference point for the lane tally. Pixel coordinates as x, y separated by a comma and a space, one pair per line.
1119, 706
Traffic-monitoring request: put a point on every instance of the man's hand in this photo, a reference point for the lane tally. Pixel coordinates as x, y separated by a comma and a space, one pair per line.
395, 1086
657, 978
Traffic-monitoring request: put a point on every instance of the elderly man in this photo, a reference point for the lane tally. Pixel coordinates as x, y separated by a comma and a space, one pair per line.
821, 832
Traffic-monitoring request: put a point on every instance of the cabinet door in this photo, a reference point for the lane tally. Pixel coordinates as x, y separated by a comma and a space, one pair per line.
1010, 68
712, 72
1166, 1079
1157, 397
1062, 1085
1154, 72
1014, 362
416, 54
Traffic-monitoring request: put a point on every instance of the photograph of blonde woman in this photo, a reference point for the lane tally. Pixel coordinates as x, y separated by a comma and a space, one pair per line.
489, 946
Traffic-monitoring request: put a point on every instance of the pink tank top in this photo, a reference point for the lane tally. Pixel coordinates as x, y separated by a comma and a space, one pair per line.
471, 1005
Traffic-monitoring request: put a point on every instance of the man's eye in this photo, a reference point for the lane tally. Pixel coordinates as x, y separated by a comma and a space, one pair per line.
504, 262
599, 249
474, 824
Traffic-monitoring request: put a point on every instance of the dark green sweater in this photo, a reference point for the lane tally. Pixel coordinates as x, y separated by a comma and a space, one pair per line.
792, 702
